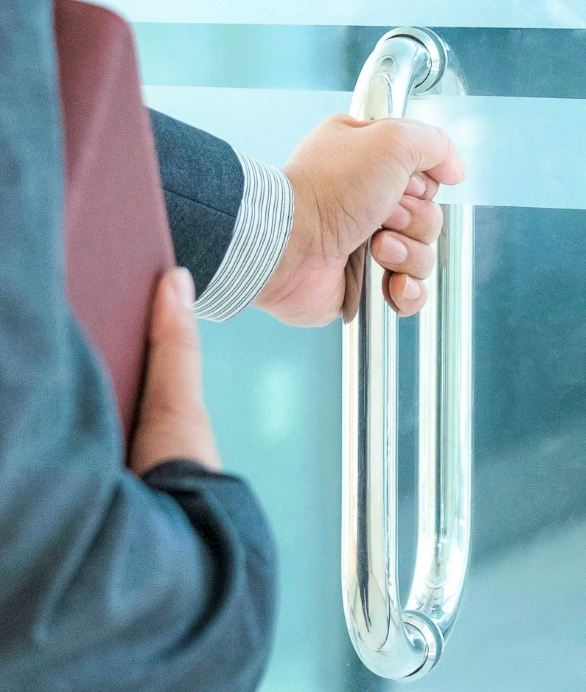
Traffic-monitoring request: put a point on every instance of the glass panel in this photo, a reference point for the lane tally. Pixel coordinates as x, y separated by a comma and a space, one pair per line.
515, 173
521, 623
274, 392
329, 58
569, 14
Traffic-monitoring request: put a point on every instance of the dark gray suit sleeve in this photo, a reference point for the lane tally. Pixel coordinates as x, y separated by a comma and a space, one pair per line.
230, 215
203, 184
107, 585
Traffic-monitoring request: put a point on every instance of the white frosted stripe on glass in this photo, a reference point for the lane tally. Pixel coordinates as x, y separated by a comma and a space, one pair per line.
570, 14
263, 123
519, 152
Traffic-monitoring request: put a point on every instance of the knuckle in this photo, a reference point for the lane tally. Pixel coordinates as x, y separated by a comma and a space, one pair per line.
160, 410
428, 262
340, 119
433, 224
421, 262
443, 136
445, 141
375, 244
396, 143
177, 336
432, 189
437, 219
167, 413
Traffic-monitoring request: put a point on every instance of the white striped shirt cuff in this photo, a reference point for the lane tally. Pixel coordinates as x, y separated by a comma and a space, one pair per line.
262, 230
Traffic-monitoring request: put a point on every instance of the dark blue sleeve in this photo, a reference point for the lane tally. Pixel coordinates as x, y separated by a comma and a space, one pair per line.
224, 511
107, 584
203, 183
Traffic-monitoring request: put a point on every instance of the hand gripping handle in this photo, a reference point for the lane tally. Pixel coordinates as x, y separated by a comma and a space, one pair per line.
393, 642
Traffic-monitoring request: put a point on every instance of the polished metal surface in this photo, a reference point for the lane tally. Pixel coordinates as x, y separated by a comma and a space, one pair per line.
392, 642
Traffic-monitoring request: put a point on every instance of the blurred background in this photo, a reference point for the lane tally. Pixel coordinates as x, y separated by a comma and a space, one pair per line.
261, 75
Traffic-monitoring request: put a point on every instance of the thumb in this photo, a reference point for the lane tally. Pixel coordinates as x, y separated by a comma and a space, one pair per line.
430, 150
173, 422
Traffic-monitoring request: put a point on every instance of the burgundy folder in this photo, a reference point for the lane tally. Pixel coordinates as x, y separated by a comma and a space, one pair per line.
117, 237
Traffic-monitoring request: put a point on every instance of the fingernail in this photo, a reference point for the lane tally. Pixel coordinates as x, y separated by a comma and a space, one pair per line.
183, 287
412, 289
392, 250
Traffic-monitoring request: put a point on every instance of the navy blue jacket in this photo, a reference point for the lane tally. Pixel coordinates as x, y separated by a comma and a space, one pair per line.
107, 583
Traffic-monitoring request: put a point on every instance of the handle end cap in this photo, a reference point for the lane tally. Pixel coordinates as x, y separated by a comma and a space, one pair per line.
422, 627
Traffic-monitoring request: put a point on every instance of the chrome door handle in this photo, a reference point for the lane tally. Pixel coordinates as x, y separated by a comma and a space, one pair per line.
392, 642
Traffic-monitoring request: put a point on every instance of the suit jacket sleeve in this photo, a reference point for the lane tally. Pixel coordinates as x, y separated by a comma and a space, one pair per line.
230, 215
108, 585
203, 183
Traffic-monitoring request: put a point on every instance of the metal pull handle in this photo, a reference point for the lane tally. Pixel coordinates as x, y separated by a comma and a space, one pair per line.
392, 642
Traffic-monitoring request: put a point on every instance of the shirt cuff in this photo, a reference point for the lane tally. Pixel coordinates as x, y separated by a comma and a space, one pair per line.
262, 230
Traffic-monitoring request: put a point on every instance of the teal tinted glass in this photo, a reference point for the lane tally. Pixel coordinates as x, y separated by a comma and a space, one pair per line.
274, 392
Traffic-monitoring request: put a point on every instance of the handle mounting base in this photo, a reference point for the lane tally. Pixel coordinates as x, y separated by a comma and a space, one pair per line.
436, 49
424, 627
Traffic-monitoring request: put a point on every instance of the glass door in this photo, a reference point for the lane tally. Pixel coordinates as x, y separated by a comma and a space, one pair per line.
263, 74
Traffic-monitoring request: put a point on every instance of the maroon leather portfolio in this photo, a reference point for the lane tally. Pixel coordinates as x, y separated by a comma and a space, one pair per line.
117, 237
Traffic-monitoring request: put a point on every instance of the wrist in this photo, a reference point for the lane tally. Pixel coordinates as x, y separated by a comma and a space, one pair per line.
288, 271
307, 287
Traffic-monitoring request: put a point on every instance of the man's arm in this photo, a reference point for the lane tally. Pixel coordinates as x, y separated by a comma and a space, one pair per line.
293, 241
230, 216
106, 584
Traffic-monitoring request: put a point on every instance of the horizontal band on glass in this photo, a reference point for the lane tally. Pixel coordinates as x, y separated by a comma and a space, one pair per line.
542, 63
569, 14
519, 152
